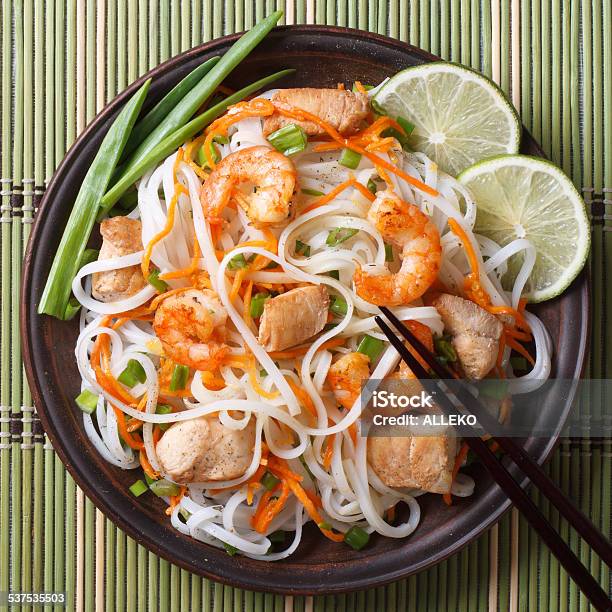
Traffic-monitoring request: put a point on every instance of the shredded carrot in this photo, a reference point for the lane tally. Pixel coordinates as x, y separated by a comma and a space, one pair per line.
329, 451
302, 350
132, 440
192, 268
281, 470
459, 459
259, 107
302, 396
146, 258
302, 115
246, 312
157, 434
146, 466
360, 88
251, 369
238, 278
333, 194
273, 508
520, 349
391, 514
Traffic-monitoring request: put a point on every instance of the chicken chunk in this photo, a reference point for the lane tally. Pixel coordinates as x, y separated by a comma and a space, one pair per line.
346, 377
203, 449
293, 317
342, 109
120, 236
419, 462
474, 332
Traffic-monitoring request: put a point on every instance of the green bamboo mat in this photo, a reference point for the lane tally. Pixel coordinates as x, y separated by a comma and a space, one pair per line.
61, 61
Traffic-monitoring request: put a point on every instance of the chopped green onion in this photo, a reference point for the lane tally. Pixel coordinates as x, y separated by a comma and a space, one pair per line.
185, 514
349, 159
221, 139
372, 186
149, 479
356, 537
179, 377
519, 363
324, 525
312, 192
87, 401
164, 488
138, 488
339, 235
67, 259
159, 285
237, 262
269, 481
263, 373
229, 549
163, 409
133, 374
388, 252
495, 389
301, 248
372, 347
338, 306
157, 114
289, 139
406, 125
257, 304
277, 537
203, 159
444, 349
333, 274
329, 326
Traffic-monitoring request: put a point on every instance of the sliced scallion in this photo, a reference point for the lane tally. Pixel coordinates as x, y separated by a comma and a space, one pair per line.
138, 488
163, 409
445, 351
237, 262
338, 306
269, 481
229, 549
339, 235
179, 377
388, 252
333, 274
301, 248
164, 488
312, 192
356, 537
159, 285
133, 374
406, 125
372, 186
372, 347
257, 304
349, 159
87, 401
289, 139
202, 157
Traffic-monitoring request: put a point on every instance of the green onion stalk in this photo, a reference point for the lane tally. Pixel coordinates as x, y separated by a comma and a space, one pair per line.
67, 260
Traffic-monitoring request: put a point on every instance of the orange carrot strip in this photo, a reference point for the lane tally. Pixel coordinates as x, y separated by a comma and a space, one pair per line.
192, 268
459, 459
146, 258
132, 440
280, 467
146, 466
302, 115
302, 396
359, 87
520, 349
329, 451
328, 197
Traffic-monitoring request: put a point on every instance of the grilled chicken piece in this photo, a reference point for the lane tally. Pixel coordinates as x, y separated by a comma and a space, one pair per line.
293, 317
474, 332
419, 462
203, 449
342, 109
120, 236
346, 377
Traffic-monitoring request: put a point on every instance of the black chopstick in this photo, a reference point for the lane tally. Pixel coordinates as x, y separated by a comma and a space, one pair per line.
504, 479
519, 455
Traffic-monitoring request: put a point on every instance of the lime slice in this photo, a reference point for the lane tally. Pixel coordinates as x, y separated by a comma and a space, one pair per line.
527, 197
460, 117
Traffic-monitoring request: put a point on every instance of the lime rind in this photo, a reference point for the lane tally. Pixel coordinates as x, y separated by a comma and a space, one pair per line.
520, 195
460, 116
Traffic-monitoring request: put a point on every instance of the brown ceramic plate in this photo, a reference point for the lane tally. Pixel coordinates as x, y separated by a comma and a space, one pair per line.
323, 56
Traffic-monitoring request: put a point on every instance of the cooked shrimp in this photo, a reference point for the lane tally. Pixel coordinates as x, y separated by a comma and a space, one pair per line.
406, 227
346, 377
191, 327
269, 178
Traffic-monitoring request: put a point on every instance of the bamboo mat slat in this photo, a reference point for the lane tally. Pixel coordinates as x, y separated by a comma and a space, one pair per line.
62, 60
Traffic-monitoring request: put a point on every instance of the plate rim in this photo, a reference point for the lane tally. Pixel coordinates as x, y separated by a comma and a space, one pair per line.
27, 316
